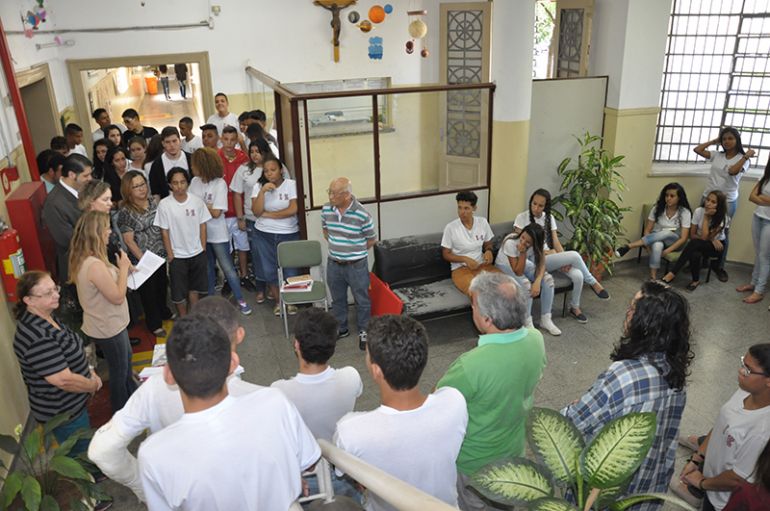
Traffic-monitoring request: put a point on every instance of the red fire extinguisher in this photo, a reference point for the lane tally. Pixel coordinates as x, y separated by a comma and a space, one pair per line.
13, 262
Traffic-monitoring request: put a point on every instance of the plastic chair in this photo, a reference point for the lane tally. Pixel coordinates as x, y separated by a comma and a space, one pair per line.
300, 254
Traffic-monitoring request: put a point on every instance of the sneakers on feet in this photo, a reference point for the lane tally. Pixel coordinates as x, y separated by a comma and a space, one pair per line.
244, 308
528, 322
546, 323
579, 316
721, 274
362, 340
343, 333
277, 310
621, 251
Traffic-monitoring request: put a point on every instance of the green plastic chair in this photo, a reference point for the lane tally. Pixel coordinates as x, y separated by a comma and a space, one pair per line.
300, 254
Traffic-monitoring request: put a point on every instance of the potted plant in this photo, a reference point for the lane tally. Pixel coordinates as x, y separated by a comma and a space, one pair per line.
596, 474
47, 478
589, 197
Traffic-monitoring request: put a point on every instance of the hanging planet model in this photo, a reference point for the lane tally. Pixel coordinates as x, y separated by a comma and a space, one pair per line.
353, 17
376, 14
410, 47
365, 26
418, 29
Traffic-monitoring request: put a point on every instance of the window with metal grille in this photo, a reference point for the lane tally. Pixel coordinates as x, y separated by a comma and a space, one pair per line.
717, 73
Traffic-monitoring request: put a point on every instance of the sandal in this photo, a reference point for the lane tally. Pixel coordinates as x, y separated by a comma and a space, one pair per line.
745, 288
753, 298
692, 286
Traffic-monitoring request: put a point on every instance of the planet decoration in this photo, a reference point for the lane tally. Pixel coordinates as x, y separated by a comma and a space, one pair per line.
388, 9
376, 14
418, 30
365, 26
353, 17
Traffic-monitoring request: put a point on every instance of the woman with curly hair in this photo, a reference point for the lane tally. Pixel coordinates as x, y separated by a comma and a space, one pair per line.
648, 374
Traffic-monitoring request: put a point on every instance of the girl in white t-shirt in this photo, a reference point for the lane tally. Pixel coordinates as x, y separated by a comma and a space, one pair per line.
274, 204
209, 186
529, 275
760, 233
707, 236
667, 227
556, 258
726, 170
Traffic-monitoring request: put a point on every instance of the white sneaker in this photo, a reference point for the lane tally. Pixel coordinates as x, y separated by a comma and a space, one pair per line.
528, 322
547, 324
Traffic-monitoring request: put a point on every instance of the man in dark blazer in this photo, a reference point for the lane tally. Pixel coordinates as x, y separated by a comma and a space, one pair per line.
60, 210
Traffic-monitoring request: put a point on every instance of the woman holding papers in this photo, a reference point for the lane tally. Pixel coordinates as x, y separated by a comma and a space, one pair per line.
102, 294
274, 204
135, 221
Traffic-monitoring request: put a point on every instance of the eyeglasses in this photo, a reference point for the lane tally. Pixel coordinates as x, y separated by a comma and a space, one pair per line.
333, 193
47, 294
747, 371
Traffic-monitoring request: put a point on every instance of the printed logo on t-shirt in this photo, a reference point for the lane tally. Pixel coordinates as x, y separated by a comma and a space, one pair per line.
479, 237
283, 196
730, 440
208, 197
189, 212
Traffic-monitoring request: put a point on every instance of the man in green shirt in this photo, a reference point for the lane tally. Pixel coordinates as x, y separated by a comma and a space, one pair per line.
497, 378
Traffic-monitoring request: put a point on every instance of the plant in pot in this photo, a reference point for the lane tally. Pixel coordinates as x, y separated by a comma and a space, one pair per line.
47, 478
589, 198
595, 475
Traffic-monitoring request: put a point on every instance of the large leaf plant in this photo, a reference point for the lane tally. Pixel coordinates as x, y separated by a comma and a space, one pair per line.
45, 469
590, 197
596, 475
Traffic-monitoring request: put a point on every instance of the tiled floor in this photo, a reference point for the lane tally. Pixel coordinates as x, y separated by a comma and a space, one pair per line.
723, 328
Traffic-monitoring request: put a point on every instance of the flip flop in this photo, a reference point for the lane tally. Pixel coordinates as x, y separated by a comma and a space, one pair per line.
745, 288
753, 298
692, 286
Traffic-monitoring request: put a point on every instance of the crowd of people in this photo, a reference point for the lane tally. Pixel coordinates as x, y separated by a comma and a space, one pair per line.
222, 202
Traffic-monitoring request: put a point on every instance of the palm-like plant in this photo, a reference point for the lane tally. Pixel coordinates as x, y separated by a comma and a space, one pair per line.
44, 468
589, 197
596, 474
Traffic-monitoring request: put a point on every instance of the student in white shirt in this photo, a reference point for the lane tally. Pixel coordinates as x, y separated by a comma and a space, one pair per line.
667, 227
556, 258
156, 404
530, 275
190, 141
225, 452
102, 118
223, 117
467, 243
74, 136
760, 233
727, 168
182, 219
739, 434
274, 204
210, 187
412, 436
172, 156
707, 237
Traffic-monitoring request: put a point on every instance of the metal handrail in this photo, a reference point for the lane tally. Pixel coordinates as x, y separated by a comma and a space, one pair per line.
403, 496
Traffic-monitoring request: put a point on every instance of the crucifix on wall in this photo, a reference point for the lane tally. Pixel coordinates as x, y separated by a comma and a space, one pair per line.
335, 6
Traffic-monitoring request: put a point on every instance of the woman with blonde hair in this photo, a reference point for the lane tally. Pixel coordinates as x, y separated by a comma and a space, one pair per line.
101, 290
97, 196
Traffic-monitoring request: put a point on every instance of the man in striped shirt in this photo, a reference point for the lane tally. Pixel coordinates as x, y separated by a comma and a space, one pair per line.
349, 230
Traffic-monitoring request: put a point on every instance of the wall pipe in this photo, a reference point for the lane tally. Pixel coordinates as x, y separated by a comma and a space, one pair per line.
18, 105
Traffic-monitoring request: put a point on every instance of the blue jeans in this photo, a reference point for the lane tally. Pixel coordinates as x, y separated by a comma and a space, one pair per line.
164, 84
338, 278
656, 242
220, 253
182, 88
578, 272
760, 233
267, 245
117, 352
525, 284
256, 263
78, 422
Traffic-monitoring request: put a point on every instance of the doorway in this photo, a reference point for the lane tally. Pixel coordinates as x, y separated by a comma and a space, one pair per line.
118, 83
37, 94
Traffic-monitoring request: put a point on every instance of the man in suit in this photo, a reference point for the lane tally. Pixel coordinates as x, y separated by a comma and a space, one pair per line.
60, 210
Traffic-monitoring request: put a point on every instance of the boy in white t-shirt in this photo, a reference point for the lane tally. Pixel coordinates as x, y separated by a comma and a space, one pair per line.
411, 436
467, 243
155, 405
190, 141
182, 220
223, 117
213, 458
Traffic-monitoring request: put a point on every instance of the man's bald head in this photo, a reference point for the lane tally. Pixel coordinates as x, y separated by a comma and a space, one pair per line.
340, 192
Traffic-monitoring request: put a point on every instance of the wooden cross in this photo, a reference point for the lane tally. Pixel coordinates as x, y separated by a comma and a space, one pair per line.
335, 6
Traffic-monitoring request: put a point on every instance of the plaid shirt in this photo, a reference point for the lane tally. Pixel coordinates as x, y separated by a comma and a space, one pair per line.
636, 386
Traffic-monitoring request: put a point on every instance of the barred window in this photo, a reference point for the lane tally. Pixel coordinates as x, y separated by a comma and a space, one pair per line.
717, 73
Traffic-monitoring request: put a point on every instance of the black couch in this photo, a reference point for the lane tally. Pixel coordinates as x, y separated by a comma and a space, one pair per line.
415, 270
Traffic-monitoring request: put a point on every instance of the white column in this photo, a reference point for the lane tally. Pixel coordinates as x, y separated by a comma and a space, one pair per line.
513, 26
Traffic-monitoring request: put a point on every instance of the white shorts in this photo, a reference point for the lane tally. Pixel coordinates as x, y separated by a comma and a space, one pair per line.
239, 237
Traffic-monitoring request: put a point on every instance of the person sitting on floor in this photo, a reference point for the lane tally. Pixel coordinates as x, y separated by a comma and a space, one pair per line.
244, 453
408, 422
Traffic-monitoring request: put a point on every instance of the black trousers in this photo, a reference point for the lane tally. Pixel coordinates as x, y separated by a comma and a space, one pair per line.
696, 252
153, 293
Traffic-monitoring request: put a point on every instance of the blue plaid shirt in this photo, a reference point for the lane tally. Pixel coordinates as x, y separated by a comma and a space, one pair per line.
636, 386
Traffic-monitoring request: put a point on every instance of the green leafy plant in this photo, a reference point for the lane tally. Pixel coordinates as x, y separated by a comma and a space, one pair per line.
46, 473
597, 474
589, 197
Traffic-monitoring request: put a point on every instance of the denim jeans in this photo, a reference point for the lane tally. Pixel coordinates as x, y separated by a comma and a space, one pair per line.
338, 278
76, 423
256, 263
578, 272
760, 233
525, 284
267, 245
656, 242
182, 88
117, 352
164, 84
220, 253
